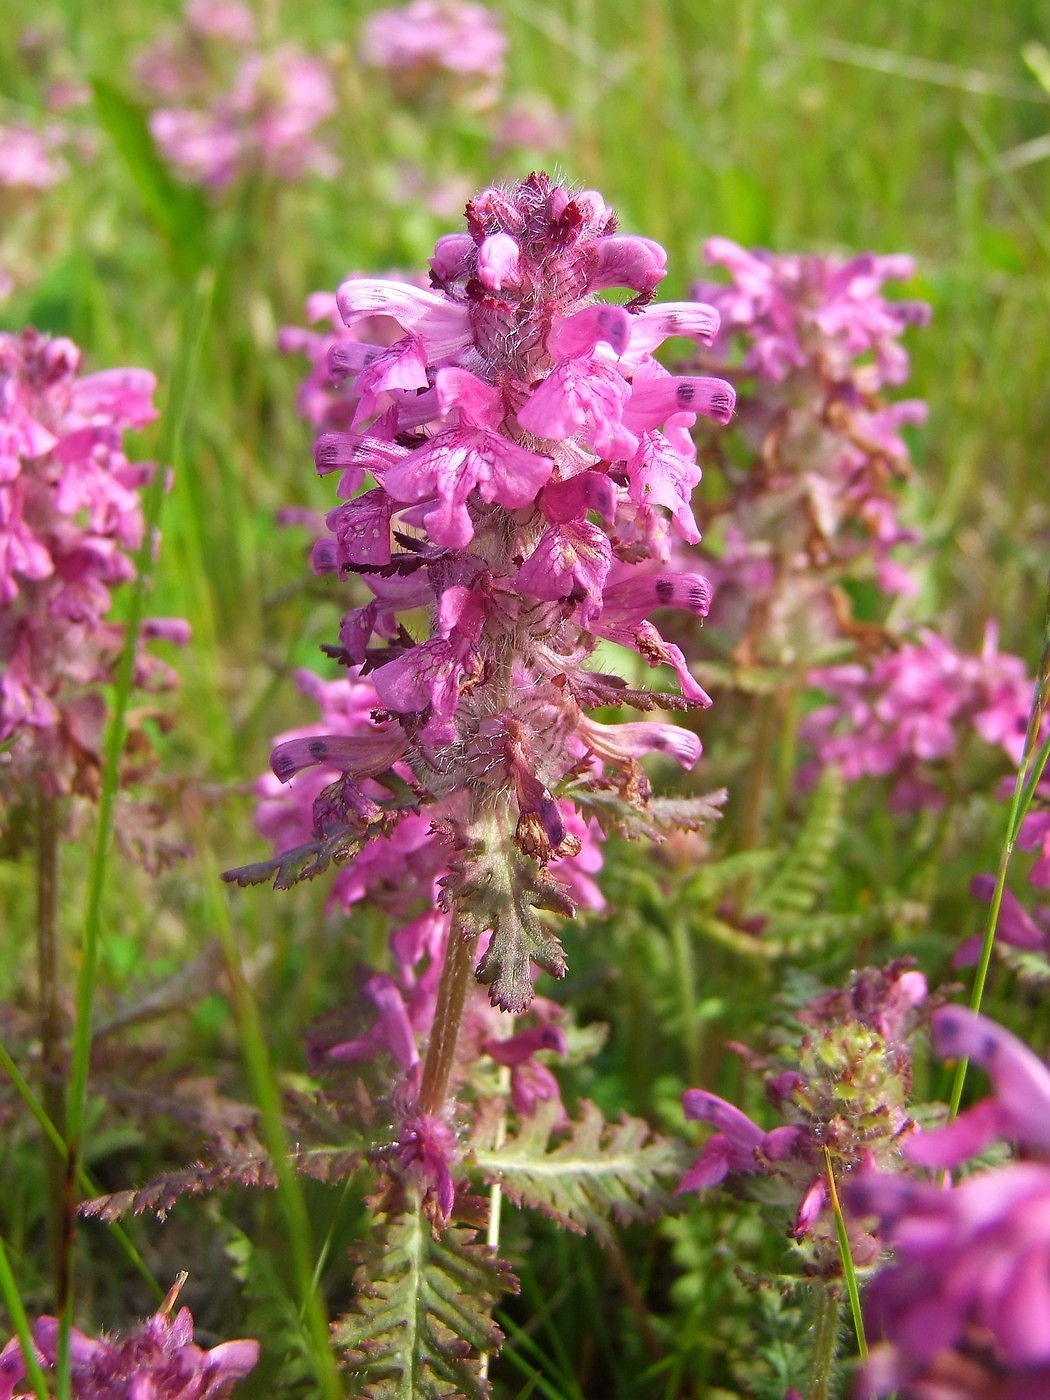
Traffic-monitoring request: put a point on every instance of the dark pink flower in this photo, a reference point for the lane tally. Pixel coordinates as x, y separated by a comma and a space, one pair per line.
158, 1361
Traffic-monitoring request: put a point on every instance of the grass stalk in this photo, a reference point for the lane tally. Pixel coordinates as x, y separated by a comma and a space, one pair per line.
849, 1272
49, 1016
13, 1300
191, 340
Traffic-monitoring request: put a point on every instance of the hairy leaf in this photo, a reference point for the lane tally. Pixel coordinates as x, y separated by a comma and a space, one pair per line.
599, 1170
301, 863
422, 1312
242, 1166
500, 889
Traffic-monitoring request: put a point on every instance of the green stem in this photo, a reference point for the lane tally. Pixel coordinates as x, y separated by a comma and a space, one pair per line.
685, 967
448, 1016
50, 1019
825, 1342
787, 751
750, 826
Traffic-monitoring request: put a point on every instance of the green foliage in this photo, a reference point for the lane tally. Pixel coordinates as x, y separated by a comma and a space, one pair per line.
801, 878
599, 1170
422, 1311
178, 213
287, 1363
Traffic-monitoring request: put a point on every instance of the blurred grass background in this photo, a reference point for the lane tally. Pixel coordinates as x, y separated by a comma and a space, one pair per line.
795, 126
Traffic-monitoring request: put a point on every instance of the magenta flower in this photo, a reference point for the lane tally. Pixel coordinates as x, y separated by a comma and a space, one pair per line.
432, 48
962, 1311
158, 1361
1020, 1109
844, 1093
908, 711
963, 1308
513, 426
819, 503
230, 107
70, 516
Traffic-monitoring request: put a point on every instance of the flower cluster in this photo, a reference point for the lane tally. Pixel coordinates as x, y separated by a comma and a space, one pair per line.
522, 447
817, 502
158, 1361
439, 49
70, 516
962, 1308
230, 106
843, 1098
910, 710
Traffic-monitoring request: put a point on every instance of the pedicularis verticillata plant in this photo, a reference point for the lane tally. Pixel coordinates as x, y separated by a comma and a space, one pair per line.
528, 460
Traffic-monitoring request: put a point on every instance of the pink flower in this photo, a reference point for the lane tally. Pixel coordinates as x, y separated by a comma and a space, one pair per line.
262, 118
512, 424
158, 1361
910, 709
30, 159
70, 515
427, 41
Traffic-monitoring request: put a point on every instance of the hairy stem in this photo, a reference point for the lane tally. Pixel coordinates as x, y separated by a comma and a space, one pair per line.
825, 1342
53, 1096
448, 1015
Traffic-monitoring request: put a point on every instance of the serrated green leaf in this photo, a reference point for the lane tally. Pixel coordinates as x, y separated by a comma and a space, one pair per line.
798, 884
422, 1312
600, 1171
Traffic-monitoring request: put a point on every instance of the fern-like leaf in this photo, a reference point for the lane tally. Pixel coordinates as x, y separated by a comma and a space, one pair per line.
600, 1170
799, 883
501, 889
303, 862
242, 1165
422, 1312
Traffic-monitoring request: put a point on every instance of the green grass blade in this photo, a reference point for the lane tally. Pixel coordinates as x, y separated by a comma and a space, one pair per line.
13, 1299
193, 330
